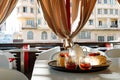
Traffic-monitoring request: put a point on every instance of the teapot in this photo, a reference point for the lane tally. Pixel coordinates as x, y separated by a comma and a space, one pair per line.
76, 51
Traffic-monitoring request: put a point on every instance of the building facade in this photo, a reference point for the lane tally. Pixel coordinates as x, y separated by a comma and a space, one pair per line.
102, 26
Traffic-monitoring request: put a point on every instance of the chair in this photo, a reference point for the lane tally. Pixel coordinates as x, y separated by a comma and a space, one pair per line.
11, 59
4, 63
113, 53
9, 74
47, 54
116, 46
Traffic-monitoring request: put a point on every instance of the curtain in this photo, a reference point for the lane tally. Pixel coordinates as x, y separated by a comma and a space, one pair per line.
6, 7
119, 1
56, 15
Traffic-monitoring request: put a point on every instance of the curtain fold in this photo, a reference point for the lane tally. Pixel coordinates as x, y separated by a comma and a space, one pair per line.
118, 1
6, 7
55, 14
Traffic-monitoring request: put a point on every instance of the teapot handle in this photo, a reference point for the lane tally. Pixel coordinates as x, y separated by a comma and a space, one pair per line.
85, 52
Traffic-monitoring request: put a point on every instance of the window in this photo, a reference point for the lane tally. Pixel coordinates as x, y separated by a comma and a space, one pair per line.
105, 1
99, 11
18, 9
25, 9
38, 10
39, 21
111, 11
31, 10
100, 23
99, 1
105, 11
53, 36
116, 11
90, 22
44, 35
30, 22
111, 2
32, 1
30, 35
100, 38
110, 38
84, 35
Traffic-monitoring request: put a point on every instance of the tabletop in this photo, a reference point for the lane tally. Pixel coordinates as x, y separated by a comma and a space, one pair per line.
42, 71
24, 57
9, 74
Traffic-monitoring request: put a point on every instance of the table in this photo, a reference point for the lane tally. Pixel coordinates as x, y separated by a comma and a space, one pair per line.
9, 74
24, 57
42, 71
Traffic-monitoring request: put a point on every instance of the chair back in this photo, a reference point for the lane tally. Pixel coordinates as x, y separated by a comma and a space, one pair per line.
4, 63
113, 53
46, 55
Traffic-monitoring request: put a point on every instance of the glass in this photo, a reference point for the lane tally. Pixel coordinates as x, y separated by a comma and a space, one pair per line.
70, 63
84, 63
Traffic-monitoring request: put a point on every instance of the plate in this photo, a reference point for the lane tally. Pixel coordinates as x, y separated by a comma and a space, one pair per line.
53, 65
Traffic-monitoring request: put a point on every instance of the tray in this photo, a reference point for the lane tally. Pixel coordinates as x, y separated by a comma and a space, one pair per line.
53, 65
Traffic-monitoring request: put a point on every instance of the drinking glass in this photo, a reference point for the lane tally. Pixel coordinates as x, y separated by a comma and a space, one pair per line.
70, 63
84, 63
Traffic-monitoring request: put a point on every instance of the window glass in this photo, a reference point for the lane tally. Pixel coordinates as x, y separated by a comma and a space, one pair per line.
116, 11
105, 11
25, 9
100, 38
100, 23
99, 11
105, 1
84, 35
110, 38
111, 11
99, 1
90, 22
30, 22
44, 35
53, 36
31, 10
30, 35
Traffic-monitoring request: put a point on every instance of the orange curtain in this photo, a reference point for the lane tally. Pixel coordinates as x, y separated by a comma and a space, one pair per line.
6, 7
119, 1
56, 16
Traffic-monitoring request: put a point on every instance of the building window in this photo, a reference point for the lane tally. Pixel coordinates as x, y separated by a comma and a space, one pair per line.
18, 9
44, 35
84, 35
105, 11
116, 11
100, 38
90, 22
25, 9
111, 11
38, 10
53, 36
110, 38
30, 35
39, 21
105, 1
99, 1
31, 10
111, 2
32, 1
30, 22
99, 23
114, 24
99, 11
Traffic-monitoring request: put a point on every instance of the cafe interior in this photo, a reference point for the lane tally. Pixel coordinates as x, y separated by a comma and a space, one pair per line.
59, 61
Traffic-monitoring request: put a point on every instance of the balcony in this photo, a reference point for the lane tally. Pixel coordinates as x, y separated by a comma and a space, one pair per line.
114, 26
